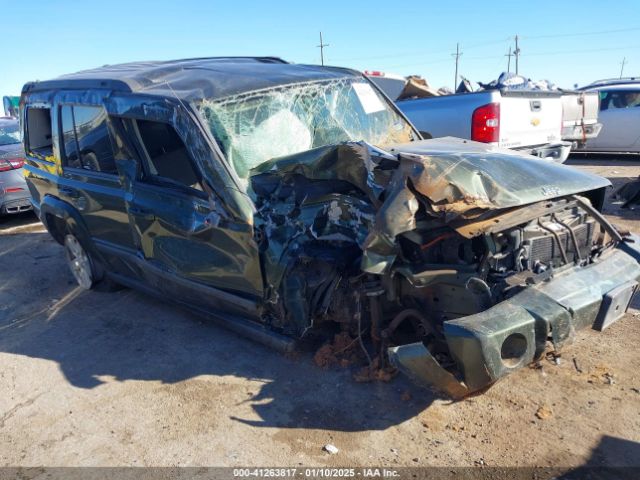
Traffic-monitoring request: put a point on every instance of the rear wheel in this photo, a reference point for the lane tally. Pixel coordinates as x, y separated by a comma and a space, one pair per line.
79, 262
88, 273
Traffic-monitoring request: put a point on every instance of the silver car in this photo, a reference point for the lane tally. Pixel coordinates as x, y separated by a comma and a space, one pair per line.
619, 115
14, 194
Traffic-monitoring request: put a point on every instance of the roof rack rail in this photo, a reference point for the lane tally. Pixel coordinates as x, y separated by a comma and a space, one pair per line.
611, 81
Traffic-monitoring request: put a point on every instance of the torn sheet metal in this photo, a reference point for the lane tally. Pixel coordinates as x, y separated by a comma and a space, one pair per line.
464, 178
416, 362
450, 179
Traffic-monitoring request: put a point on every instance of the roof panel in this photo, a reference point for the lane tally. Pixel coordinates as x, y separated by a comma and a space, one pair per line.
193, 79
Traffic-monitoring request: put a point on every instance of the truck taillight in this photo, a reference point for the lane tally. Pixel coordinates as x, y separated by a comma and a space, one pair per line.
485, 123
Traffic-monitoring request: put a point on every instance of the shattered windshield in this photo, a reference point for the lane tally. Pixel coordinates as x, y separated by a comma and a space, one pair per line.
254, 127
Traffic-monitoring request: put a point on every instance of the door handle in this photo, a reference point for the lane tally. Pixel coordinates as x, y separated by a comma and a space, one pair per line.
142, 213
70, 192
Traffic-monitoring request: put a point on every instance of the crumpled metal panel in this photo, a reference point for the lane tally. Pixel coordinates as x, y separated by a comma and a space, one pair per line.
289, 214
452, 179
463, 178
415, 360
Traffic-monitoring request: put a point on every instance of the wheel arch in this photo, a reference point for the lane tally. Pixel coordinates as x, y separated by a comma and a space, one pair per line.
60, 217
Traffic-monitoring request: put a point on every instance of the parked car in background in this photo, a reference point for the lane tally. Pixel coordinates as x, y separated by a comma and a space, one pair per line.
619, 116
525, 120
296, 202
14, 194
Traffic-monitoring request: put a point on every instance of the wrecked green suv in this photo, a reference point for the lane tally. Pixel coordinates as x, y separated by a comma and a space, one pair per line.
292, 200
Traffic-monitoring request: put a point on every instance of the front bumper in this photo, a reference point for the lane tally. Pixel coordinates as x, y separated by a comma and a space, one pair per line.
9, 206
491, 344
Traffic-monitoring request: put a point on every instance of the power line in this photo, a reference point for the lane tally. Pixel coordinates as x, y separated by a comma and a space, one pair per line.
414, 53
491, 42
498, 56
418, 64
588, 50
583, 34
420, 53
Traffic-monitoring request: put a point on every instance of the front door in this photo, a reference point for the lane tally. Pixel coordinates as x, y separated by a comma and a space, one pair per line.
181, 231
619, 115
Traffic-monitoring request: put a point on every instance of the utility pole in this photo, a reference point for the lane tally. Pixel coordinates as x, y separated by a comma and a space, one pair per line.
516, 53
622, 64
321, 47
457, 55
509, 55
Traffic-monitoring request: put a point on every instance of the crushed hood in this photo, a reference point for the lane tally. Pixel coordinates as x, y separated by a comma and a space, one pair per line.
452, 179
462, 177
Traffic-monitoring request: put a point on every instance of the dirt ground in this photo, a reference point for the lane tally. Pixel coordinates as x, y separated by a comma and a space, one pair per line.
114, 379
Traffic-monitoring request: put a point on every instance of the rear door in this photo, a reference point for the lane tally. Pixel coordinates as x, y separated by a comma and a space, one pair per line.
529, 118
90, 180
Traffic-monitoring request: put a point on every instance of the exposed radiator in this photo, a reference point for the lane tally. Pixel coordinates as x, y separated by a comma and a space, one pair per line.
542, 246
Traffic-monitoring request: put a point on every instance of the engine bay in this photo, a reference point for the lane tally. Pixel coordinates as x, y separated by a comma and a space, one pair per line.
442, 275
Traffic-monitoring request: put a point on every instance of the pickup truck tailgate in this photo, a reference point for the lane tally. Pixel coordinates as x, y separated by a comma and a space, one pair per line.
580, 106
530, 118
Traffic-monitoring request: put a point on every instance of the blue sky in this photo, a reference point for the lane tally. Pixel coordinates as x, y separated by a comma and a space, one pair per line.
564, 41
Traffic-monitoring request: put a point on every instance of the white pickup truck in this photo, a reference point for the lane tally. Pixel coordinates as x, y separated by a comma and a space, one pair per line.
525, 120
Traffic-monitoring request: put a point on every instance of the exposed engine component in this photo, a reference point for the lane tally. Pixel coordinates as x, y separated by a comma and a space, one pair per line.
443, 276
542, 244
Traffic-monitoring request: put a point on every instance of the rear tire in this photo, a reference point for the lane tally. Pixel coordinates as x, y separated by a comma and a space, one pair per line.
79, 262
87, 272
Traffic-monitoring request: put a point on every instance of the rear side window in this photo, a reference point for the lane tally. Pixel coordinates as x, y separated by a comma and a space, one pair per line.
167, 155
85, 139
39, 141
